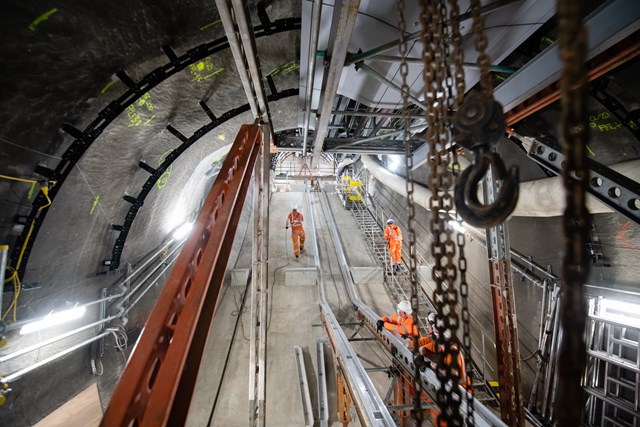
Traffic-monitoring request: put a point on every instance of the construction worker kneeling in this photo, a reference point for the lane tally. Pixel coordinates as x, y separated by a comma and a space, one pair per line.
400, 324
294, 220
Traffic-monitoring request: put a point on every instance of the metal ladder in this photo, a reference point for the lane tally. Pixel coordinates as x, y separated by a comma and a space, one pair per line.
613, 377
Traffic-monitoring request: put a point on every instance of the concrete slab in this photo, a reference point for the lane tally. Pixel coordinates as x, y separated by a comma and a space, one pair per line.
300, 276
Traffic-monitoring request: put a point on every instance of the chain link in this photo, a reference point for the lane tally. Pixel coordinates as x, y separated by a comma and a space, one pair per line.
413, 274
481, 46
574, 137
436, 76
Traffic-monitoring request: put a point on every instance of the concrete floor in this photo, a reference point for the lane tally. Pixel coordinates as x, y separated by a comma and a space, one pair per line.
294, 319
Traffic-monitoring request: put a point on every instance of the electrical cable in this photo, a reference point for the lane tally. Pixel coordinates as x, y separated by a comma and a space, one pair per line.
226, 360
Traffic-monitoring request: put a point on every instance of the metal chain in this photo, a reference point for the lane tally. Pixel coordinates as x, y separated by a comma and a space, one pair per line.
460, 85
413, 275
443, 248
574, 137
481, 46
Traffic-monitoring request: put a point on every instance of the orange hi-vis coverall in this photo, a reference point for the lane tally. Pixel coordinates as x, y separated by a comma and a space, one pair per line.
393, 236
295, 218
395, 323
430, 344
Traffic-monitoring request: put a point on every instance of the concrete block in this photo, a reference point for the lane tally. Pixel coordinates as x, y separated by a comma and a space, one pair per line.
300, 277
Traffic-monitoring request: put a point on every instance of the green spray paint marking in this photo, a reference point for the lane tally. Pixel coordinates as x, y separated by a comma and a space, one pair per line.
93, 206
210, 24
162, 181
591, 151
31, 190
41, 18
285, 69
106, 88
214, 73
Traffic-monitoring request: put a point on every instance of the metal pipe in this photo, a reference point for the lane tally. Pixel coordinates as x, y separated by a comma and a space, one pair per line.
313, 46
382, 79
304, 387
12, 377
468, 65
323, 400
3, 265
236, 51
153, 282
370, 114
345, 14
44, 343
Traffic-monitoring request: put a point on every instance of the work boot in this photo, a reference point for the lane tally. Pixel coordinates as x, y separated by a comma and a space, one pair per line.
301, 250
296, 256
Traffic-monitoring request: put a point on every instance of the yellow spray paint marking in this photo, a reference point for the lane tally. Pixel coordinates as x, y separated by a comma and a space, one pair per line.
591, 151
93, 206
210, 24
135, 119
106, 88
285, 68
41, 18
162, 181
31, 190
203, 70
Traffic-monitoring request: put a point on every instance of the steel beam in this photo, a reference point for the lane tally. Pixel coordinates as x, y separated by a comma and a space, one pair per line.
158, 382
345, 13
504, 309
304, 387
608, 25
238, 56
468, 65
323, 400
311, 69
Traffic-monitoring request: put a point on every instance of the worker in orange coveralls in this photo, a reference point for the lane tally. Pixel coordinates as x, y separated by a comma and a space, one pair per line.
431, 350
294, 220
401, 324
393, 236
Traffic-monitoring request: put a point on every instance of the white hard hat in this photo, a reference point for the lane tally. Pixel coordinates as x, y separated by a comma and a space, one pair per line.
389, 221
294, 207
431, 318
405, 306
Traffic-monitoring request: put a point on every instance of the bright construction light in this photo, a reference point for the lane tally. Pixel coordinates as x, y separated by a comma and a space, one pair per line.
53, 319
458, 227
625, 312
625, 307
183, 231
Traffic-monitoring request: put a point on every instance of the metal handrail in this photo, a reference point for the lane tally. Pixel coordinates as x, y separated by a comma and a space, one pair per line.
370, 407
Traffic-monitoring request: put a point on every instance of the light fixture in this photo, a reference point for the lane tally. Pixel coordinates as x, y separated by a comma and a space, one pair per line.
183, 231
621, 311
53, 319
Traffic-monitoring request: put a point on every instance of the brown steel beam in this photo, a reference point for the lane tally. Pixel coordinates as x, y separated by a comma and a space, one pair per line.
157, 384
600, 65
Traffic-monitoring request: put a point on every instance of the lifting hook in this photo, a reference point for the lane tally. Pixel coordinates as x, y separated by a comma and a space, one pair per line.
478, 125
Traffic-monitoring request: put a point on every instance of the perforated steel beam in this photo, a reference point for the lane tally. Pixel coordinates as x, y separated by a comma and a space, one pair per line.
158, 382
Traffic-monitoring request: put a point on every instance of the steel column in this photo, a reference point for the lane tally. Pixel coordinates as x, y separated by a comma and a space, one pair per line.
345, 13
158, 382
504, 309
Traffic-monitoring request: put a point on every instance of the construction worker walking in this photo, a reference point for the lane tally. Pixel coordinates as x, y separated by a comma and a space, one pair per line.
393, 236
294, 220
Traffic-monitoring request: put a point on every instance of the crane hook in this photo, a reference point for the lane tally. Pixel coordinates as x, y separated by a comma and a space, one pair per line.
478, 125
